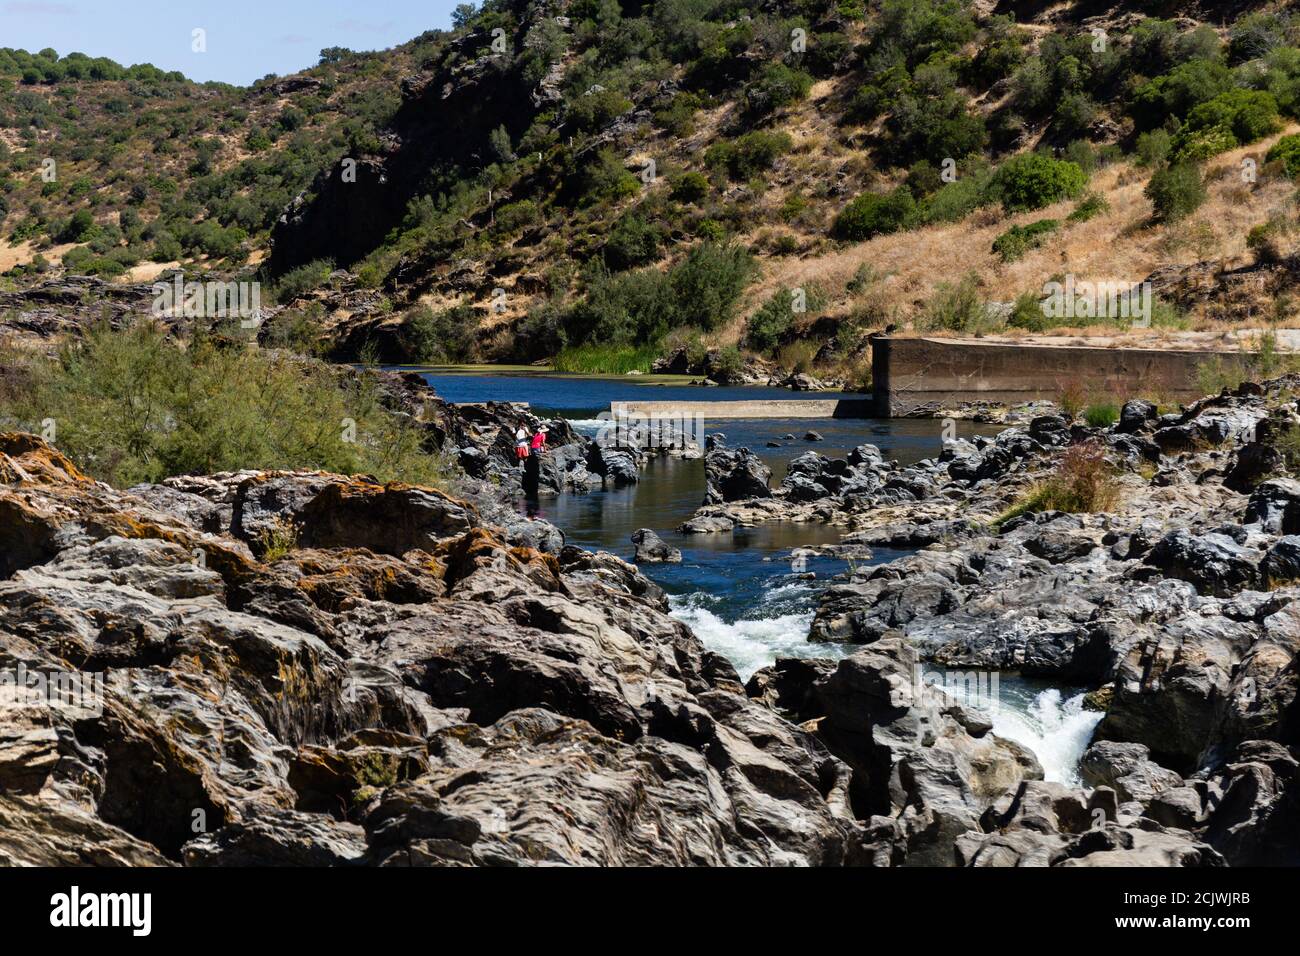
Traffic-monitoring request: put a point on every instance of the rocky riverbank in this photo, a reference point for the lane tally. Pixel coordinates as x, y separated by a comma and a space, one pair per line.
307, 668
1177, 604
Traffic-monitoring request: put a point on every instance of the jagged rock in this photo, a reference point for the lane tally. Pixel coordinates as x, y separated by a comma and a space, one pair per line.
735, 476
1136, 415
1275, 506
1281, 564
707, 524
1214, 563
651, 549
1128, 770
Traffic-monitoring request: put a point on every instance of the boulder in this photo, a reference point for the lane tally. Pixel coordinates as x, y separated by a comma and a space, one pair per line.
735, 476
1136, 415
652, 549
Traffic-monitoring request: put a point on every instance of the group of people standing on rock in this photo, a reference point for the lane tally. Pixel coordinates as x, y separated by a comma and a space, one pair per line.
526, 447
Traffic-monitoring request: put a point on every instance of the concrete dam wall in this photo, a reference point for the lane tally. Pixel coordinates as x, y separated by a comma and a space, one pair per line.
915, 376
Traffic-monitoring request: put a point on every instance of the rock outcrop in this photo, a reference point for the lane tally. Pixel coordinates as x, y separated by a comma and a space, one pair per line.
433, 695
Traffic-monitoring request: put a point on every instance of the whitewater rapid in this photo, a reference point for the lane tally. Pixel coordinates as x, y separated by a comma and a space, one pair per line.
1055, 727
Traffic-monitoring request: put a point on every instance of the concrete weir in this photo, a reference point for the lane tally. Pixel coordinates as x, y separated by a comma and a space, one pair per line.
759, 408
918, 376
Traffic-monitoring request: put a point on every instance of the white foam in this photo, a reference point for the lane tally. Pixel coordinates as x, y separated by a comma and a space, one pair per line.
1057, 733
750, 644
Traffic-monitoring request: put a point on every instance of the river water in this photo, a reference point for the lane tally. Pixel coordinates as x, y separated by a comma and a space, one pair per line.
740, 592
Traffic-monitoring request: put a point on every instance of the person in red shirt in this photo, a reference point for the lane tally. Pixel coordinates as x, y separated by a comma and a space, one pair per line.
539, 441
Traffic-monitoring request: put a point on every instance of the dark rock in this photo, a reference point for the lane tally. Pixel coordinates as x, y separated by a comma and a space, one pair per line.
735, 476
651, 549
1214, 563
1136, 415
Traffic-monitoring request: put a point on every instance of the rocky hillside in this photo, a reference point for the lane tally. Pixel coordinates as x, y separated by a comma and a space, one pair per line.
569, 177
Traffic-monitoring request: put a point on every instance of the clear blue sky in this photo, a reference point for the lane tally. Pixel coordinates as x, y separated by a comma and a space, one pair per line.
246, 39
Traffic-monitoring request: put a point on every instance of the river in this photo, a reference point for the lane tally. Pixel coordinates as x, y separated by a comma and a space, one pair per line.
739, 592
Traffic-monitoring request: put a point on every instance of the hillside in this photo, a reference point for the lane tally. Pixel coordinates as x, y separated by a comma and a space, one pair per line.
610, 183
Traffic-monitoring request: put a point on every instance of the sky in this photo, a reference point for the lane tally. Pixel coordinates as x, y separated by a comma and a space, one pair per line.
246, 39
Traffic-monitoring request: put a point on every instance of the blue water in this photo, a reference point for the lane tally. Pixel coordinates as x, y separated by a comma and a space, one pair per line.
740, 592
583, 396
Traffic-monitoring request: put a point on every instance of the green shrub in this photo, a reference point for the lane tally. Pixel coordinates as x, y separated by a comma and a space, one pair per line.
446, 336
708, 284
956, 307
1101, 414
956, 200
747, 155
135, 406
874, 215
1179, 91
1153, 147
678, 118
1249, 114
1033, 180
1287, 151
690, 187
640, 306
776, 86
1027, 313
80, 228
306, 278
768, 326
1018, 240
1090, 207
1176, 191
1267, 239
595, 110
632, 242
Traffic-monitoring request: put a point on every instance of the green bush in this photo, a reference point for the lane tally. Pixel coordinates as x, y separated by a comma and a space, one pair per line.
594, 111
1228, 120
1027, 313
205, 408
776, 86
1090, 207
1287, 151
956, 307
1179, 91
298, 282
1033, 180
1250, 114
640, 306
1153, 147
956, 200
708, 284
747, 155
1016, 241
873, 215
767, 327
447, 336
605, 178
690, 187
1176, 192
80, 228
1101, 414
632, 242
